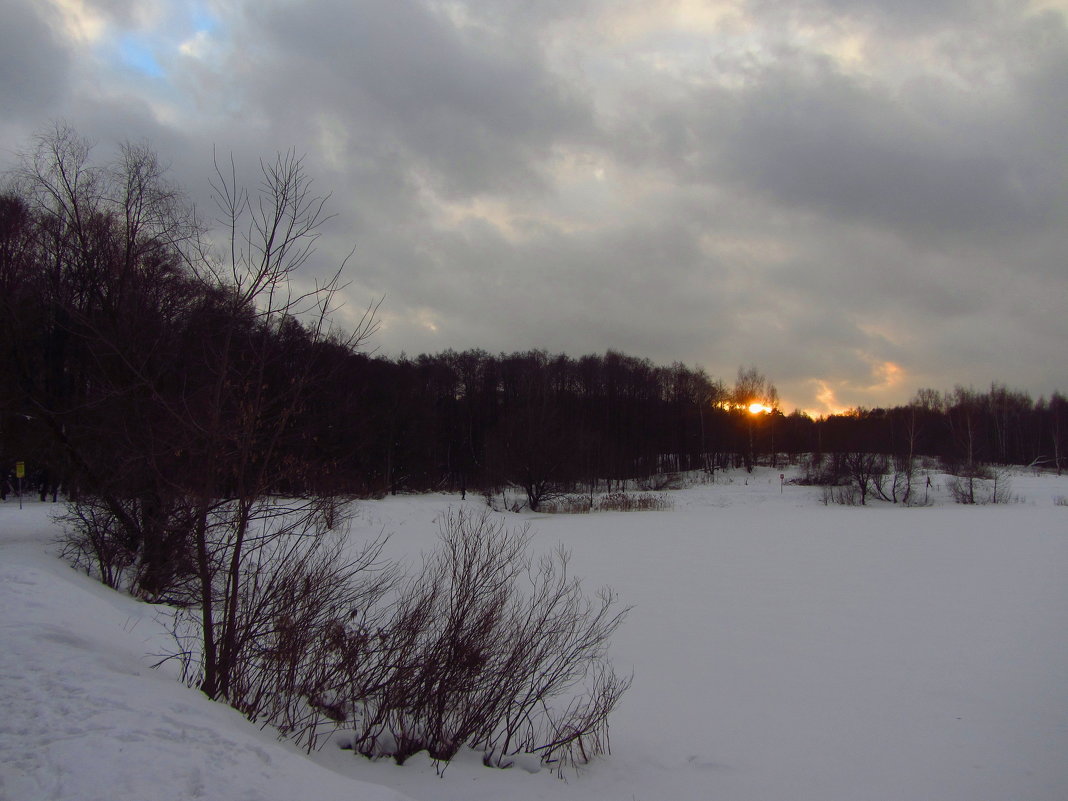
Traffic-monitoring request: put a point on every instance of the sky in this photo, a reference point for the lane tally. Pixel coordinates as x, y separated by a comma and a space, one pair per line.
858, 197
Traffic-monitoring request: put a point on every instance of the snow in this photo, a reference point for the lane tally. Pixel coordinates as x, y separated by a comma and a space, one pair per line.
782, 650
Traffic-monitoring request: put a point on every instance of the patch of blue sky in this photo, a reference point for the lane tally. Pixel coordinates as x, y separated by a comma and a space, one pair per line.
203, 19
201, 22
136, 54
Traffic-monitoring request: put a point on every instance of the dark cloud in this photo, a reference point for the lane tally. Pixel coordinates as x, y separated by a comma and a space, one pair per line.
33, 64
925, 159
474, 109
863, 155
860, 198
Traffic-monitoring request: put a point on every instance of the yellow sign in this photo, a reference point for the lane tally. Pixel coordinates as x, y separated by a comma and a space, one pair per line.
20, 470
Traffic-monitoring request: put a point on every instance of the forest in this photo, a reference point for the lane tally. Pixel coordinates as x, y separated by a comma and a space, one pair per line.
136, 362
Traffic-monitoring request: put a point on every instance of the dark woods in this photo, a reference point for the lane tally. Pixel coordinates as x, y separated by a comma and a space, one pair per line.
134, 364
551, 423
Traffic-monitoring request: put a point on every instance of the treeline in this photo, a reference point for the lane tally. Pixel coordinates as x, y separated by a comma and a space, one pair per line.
962, 428
549, 423
542, 422
136, 364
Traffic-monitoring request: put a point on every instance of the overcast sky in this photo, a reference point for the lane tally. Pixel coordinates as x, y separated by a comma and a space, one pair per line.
859, 197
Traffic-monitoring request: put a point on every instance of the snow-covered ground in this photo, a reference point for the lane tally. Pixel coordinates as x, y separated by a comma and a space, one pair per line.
782, 650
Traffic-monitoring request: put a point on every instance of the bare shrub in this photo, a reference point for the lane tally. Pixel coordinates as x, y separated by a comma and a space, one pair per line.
131, 544
964, 483
568, 505
483, 648
301, 614
611, 502
1060, 500
662, 481
844, 495
488, 650
847, 495
821, 470
962, 489
637, 502
982, 485
92, 541
902, 477
849, 478
1000, 490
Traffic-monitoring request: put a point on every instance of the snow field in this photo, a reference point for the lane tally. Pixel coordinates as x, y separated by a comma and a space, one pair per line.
781, 649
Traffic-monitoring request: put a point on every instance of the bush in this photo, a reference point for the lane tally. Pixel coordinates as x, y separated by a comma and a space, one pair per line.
92, 542
487, 650
640, 502
819, 470
662, 481
138, 545
981, 485
568, 505
611, 502
484, 648
280, 637
844, 495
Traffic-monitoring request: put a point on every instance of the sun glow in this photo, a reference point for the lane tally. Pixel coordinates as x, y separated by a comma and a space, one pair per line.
758, 408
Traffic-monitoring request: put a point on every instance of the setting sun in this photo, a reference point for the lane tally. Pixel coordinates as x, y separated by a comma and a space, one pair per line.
758, 408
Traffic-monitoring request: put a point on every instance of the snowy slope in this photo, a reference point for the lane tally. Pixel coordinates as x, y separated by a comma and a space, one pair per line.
782, 649
85, 718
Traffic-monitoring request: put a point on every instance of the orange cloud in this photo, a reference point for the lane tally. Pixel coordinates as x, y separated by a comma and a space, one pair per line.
836, 397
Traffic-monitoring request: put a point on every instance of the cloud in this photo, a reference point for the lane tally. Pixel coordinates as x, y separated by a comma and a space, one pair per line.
473, 112
819, 188
33, 63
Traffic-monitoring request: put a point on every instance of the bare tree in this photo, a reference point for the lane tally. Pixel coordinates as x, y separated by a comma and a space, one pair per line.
100, 283
867, 472
252, 402
752, 389
173, 375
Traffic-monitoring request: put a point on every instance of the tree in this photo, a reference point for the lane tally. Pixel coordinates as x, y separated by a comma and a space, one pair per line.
866, 471
905, 455
96, 279
752, 390
1058, 412
172, 378
963, 414
259, 368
